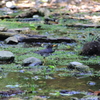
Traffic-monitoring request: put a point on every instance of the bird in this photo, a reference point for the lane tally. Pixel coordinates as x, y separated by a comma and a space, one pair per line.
46, 52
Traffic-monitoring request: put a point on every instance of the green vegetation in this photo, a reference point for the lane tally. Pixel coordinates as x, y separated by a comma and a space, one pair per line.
44, 79
64, 53
13, 24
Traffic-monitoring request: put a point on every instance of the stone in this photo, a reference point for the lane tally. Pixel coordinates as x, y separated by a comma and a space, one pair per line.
38, 98
24, 30
35, 16
10, 4
31, 61
91, 48
4, 35
2, 29
44, 11
28, 14
78, 66
20, 37
6, 56
11, 40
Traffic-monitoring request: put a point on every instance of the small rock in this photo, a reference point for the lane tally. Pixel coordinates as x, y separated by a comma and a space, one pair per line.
3, 29
91, 83
10, 4
45, 12
31, 61
6, 56
78, 66
11, 40
35, 16
21, 30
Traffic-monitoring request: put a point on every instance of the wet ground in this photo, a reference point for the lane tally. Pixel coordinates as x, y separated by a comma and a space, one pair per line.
60, 84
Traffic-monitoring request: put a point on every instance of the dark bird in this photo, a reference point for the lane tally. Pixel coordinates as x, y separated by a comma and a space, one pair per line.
46, 52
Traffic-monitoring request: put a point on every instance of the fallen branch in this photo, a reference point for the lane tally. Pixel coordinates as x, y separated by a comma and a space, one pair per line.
51, 40
84, 25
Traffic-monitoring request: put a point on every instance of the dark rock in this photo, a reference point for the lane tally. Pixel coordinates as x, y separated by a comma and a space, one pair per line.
91, 48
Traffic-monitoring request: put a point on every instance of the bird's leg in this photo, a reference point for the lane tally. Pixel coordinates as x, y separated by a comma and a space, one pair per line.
44, 60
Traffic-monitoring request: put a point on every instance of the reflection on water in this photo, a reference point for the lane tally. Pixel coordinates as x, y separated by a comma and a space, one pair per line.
45, 87
71, 83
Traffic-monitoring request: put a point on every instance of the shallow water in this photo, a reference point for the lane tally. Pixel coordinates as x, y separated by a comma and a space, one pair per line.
50, 86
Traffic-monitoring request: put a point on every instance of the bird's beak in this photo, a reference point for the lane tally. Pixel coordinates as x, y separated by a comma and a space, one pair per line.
54, 45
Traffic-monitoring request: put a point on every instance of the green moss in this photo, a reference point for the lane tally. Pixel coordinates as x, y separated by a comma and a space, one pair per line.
65, 53
13, 24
